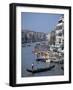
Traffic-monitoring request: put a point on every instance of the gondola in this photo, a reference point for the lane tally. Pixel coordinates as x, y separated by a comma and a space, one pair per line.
40, 69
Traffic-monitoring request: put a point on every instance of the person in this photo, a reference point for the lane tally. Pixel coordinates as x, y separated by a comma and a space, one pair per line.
32, 66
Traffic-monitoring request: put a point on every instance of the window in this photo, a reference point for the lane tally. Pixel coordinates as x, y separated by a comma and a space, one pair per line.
59, 27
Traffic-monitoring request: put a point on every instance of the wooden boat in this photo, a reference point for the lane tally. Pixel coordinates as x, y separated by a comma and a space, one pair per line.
40, 69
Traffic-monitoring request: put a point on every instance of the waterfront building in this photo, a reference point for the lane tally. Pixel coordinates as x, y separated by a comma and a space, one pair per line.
51, 37
59, 32
32, 36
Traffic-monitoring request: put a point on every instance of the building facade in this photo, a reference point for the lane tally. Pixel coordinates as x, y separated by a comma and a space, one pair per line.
31, 36
59, 32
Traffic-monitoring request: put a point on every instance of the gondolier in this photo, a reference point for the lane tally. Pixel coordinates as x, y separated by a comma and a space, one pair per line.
32, 66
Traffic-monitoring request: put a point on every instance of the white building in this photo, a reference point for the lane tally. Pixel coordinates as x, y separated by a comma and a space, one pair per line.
59, 32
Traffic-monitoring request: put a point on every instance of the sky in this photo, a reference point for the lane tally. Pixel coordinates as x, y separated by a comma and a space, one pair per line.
39, 22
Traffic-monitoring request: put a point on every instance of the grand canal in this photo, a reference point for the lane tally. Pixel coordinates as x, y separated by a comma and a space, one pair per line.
28, 58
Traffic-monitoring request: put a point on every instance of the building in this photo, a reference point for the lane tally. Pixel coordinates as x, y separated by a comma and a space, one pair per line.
53, 38
32, 36
59, 32
48, 37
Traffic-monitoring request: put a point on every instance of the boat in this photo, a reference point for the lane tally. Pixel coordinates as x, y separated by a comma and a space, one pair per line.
41, 59
40, 69
42, 55
29, 45
23, 45
58, 61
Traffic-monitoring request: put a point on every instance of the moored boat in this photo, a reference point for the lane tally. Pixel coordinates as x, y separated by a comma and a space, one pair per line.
42, 56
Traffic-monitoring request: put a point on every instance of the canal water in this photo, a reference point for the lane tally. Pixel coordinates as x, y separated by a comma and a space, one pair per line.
28, 58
